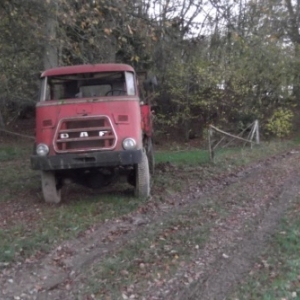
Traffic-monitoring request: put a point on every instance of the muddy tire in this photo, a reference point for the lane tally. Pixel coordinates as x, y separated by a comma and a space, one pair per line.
51, 192
142, 178
150, 155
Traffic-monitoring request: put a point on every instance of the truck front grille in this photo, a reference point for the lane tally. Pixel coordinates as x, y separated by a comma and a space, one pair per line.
84, 134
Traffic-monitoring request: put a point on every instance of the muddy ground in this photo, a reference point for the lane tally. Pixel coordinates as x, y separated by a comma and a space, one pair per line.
197, 243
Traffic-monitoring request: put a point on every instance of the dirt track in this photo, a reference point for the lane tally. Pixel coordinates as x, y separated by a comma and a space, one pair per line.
242, 210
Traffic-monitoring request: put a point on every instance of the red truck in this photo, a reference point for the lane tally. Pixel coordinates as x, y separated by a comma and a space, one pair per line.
92, 127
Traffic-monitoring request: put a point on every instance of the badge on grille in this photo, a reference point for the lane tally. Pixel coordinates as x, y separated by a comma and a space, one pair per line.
84, 134
102, 133
64, 136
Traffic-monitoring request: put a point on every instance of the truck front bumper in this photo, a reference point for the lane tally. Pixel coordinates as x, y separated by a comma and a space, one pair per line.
86, 160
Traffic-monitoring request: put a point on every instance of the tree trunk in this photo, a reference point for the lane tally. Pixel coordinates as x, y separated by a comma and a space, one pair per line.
50, 59
2, 125
296, 88
294, 35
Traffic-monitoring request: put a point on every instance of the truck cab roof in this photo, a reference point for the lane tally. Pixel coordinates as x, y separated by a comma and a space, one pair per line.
88, 68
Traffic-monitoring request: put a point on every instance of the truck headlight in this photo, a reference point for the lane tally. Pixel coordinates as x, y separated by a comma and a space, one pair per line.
129, 144
42, 149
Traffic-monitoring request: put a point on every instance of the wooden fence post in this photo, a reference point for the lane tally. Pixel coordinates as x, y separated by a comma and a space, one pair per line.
209, 132
257, 139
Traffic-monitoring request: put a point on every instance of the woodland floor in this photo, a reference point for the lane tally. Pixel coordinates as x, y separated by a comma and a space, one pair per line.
199, 236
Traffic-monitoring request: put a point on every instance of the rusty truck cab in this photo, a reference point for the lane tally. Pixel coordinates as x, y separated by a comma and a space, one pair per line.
89, 127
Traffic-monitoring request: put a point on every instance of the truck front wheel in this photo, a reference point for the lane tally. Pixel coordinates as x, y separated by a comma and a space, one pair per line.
142, 178
50, 188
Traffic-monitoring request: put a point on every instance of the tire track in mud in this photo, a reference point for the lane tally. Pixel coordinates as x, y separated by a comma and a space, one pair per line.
227, 273
232, 231
41, 280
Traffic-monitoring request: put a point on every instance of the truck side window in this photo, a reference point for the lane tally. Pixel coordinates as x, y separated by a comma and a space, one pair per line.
130, 83
47, 95
45, 90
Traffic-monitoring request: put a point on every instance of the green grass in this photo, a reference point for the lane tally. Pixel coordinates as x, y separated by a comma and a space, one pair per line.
8, 153
296, 139
60, 223
277, 274
16, 175
236, 155
188, 157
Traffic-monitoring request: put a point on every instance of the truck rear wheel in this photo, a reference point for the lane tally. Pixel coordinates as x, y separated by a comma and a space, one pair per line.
51, 191
142, 178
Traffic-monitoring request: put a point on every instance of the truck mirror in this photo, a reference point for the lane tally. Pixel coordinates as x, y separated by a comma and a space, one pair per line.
38, 75
154, 81
150, 83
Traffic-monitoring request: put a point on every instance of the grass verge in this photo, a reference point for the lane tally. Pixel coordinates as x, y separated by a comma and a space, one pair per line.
182, 157
238, 155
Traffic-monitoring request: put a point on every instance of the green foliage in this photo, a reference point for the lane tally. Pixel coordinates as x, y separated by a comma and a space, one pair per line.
231, 75
257, 79
192, 92
240, 79
280, 123
36, 35
20, 56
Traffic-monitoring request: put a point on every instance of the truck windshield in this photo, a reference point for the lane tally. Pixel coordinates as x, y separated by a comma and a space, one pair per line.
86, 85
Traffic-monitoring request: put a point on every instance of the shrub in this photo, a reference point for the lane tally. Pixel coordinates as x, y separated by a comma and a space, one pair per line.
280, 123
